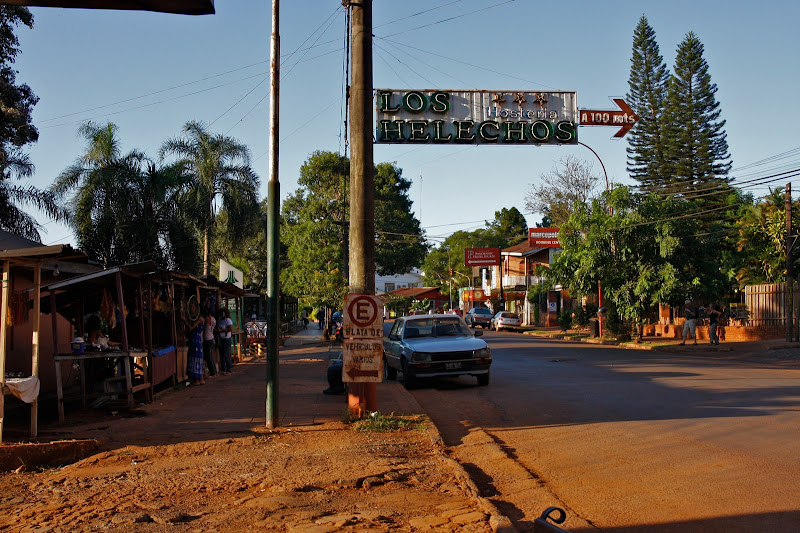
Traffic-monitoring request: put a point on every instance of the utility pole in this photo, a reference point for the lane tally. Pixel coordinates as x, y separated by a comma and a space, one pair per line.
273, 220
789, 269
362, 396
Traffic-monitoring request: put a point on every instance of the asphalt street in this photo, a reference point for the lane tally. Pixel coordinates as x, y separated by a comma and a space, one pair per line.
627, 440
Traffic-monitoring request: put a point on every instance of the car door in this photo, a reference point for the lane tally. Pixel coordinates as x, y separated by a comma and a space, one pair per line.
392, 348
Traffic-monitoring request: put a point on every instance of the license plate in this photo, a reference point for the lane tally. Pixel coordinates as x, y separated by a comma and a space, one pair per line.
452, 366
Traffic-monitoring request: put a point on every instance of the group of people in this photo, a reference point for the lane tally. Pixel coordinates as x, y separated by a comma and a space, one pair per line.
205, 333
692, 313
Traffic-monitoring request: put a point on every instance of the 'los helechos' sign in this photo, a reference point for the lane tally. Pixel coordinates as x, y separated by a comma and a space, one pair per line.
476, 117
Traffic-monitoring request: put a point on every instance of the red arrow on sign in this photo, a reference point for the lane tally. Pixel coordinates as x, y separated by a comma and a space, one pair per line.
356, 373
607, 117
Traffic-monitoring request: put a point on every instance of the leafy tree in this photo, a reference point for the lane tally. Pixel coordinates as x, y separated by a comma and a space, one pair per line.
697, 145
315, 228
17, 130
645, 253
569, 182
762, 239
509, 226
647, 97
220, 174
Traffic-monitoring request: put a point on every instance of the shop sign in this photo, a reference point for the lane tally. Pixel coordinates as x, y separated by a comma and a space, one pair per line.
543, 238
230, 274
481, 256
474, 295
430, 116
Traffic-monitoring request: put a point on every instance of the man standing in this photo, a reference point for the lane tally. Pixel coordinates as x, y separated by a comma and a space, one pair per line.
690, 327
225, 328
209, 324
713, 323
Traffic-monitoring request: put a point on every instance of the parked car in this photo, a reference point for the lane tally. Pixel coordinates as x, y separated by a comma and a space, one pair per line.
434, 345
479, 316
506, 320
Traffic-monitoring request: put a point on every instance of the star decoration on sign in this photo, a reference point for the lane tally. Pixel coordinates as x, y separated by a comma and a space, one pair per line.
540, 99
519, 98
498, 98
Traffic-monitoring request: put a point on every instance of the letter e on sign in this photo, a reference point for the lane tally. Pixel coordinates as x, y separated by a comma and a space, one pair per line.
363, 313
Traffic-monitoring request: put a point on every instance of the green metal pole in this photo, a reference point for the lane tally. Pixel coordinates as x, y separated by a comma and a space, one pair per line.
273, 226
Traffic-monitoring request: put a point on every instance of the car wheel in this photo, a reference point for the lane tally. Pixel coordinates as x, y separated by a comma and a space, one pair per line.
483, 379
409, 379
389, 373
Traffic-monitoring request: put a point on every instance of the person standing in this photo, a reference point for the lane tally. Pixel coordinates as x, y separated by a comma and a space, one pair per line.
194, 361
713, 322
225, 328
690, 326
209, 323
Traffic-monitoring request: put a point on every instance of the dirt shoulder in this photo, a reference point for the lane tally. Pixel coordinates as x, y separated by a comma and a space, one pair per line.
201, 459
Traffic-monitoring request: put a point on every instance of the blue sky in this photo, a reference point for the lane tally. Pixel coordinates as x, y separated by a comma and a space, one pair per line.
150, 73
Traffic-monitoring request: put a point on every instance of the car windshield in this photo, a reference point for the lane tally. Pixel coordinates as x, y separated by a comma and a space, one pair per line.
482, 311
435, 327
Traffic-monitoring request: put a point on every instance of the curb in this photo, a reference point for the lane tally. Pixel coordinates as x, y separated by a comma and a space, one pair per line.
497, 520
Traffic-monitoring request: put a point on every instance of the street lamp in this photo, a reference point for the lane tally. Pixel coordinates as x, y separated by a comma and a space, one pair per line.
599, 286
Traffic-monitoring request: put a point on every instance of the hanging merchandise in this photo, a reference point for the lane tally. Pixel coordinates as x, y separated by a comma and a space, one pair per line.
107, 310
20, 304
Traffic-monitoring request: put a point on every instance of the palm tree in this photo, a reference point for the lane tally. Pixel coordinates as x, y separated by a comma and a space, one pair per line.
94, 178
16, 165
219, 169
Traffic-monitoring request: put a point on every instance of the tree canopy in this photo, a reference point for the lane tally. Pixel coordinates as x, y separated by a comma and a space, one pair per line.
315, 228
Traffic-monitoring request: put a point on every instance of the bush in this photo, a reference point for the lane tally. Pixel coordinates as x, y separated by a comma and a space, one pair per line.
565, 319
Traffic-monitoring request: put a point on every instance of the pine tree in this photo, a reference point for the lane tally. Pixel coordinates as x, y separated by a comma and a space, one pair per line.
647, 97
697, 145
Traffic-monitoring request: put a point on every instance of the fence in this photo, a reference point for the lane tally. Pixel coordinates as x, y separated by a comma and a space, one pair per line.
766, 304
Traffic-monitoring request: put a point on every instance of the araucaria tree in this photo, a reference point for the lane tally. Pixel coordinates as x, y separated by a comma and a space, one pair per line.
17, 130
647, 96
696, 145
219, 171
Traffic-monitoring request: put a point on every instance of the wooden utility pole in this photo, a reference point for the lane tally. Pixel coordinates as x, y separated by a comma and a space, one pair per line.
362, 396
273, 236
789, 269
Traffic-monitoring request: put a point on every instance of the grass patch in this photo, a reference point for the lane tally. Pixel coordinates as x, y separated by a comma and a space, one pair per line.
377, 422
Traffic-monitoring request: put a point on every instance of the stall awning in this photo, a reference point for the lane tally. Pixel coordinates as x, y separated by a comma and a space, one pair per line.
181, 7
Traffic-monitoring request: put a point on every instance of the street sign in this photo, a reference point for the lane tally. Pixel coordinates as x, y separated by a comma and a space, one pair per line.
362, 332
609, 117
543, 238
481, 256
362, 360
363, 317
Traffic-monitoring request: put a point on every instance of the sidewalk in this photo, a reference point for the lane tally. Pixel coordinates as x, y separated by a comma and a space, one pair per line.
777, 347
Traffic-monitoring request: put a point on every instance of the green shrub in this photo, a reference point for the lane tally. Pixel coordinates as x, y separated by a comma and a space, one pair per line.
565, 319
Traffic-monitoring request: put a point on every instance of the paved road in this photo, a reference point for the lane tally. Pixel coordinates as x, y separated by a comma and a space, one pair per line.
625, 440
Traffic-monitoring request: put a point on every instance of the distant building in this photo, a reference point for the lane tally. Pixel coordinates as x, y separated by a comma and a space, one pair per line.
398, 281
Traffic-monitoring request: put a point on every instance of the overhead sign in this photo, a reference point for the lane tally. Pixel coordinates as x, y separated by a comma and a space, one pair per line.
474, 295
625, 117
432, 116
362, 331
481, 256
543, 238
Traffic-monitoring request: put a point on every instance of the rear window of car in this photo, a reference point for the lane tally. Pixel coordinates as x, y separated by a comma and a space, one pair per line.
508, 315
482, 311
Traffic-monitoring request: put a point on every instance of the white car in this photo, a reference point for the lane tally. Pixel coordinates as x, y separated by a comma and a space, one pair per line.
434, 345
506, 320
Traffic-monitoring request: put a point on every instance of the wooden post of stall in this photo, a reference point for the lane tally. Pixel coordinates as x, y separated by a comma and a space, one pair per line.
125, 346
37, 319
3, 332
